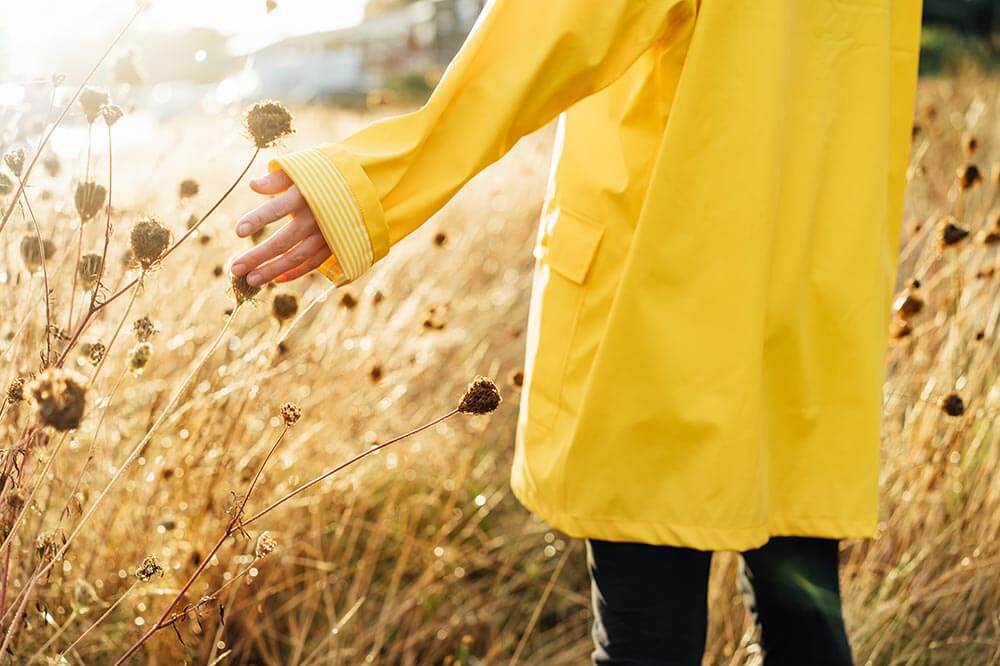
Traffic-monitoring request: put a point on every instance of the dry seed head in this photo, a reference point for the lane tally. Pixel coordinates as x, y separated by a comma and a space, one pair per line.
284, 306
188, 188
89, 270
32, 252
150, 239
953, 405
144, 328
149, 568
482, 397
89, 199
270, 5
14, 160
126, 70
92, 99
15, 390
266, 545
267, 122
112, 113
243, 290
969, 176
59, 397
138, 357
95, 352
47, 544
291, 413
6, 184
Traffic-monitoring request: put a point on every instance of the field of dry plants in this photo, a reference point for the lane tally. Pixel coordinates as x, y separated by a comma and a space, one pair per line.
145, 395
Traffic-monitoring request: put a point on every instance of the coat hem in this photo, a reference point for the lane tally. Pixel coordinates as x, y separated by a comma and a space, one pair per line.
690, 536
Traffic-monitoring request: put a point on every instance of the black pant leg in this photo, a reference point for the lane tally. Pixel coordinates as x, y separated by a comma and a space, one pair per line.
796, 600
650, 604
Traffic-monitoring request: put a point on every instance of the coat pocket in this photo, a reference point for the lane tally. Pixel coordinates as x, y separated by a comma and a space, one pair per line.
565, 253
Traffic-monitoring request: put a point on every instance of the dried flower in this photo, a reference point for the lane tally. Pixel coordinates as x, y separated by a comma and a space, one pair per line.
92, 99
149, 568
291, 413
96, 352
267, 122
15, 390
188, 188
139, 356
953, 405
6, 185
270, 5
126, 70
266, 545
949, 233
969, 176
33, 252
112, 113
89, 199
89, 270
59, 397
243, 290
284, 306
482, 397
150, 239
14, 160
47, 544
144, 328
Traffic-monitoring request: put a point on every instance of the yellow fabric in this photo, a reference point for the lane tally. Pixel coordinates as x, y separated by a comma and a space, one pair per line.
709, 317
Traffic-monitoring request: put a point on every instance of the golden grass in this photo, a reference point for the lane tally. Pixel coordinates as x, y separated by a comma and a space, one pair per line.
420, 554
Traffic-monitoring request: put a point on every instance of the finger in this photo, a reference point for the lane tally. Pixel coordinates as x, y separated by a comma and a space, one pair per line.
289, 236
286, 262
275, 182
309, 265
269, 212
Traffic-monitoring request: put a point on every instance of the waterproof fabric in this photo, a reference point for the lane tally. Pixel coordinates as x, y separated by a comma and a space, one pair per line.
716, 259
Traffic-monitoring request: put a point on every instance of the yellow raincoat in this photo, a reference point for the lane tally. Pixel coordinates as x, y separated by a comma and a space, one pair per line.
716, 257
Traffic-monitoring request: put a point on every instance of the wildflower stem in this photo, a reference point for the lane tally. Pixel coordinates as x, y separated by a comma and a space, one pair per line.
104, 615
45, 279
62, 115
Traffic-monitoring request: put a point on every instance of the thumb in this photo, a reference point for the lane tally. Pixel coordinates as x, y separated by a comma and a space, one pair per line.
273, 183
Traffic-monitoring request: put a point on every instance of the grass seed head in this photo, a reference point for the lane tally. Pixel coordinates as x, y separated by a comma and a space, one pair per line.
188, 188
89, 199
89, 270
112, 113
14, 160
150, 567
138, 357
95, 352
266, 545
15, 390
267, 122
291, 413
284, 306
32, 252
482, 397
243, 290
150, 239
91, 100
144, 328
60, 397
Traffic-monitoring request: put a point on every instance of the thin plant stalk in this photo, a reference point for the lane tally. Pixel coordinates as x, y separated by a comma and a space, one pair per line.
79, 238
45, 278
103, 616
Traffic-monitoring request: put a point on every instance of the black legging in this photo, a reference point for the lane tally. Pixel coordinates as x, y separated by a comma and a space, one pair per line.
651, 602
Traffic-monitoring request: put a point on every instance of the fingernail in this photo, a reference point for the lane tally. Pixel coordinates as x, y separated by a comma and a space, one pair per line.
237, 269
253, 280
242, 228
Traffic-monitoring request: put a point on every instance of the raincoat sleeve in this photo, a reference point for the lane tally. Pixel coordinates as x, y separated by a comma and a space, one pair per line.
524, 62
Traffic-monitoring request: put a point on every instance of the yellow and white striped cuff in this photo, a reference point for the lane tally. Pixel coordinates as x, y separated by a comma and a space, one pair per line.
338, 215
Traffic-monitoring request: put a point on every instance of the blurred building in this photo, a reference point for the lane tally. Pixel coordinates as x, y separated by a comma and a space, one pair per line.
403, 38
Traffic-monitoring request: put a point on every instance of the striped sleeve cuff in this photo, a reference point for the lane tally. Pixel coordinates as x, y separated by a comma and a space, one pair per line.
344, 210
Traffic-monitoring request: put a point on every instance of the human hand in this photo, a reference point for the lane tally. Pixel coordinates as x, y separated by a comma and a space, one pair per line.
297, 248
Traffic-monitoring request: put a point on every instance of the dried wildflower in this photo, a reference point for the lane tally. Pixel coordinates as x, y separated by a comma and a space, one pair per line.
95, 352
144, 328
375, 373
112, 113
91, 100
188, 188
969, 176
348, 301
243, 290
138, 357
291, 413
47, 544
52, 165
15, 390
6, 184
15, 500
266, 545
14, 160
953, 405
909, 303
949, 233
516, 378
482, 397
126, 70
59, 397
33, 252
150, 567
440, 238
89, 199
267, 122
284, 306
270, 6
89, 270
150, 239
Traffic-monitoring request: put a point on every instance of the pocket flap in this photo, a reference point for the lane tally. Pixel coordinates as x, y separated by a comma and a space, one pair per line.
572, 245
